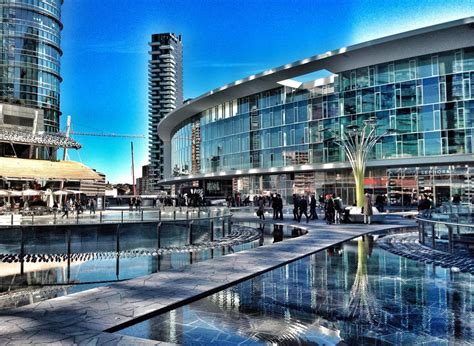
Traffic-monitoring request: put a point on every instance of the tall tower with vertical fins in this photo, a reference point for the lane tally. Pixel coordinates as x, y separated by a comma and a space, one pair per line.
165, 84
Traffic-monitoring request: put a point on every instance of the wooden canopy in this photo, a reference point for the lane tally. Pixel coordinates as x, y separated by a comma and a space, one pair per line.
26, 169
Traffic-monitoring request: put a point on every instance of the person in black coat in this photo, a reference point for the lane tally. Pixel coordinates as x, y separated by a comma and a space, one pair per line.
274, 206
303, 206
329, 209
312, 208
280, 207
296, 203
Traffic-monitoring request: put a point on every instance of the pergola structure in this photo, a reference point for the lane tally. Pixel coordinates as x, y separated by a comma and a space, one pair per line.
25, 169
40, 139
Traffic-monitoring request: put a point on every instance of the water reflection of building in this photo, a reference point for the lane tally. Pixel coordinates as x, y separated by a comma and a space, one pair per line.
307, 301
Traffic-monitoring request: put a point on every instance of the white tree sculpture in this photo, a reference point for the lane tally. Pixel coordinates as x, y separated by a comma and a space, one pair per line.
357, 143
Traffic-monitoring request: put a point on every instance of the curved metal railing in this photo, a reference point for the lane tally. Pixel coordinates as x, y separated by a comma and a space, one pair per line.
448, 228
163, 214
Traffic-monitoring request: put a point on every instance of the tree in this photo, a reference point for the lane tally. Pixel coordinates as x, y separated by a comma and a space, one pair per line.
357, 143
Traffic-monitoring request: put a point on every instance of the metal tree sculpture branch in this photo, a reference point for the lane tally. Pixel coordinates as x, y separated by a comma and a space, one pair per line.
357, 143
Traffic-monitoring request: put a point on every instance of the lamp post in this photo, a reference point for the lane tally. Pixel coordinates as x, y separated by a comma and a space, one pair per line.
357, 143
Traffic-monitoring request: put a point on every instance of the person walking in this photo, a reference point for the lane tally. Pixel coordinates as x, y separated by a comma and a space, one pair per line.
312, 208
339, 210
65, 210
329, 209
274, 206
261, 208
78, 207
368, 212
303, 209
92, 206
296, 203
280, 207
139, 203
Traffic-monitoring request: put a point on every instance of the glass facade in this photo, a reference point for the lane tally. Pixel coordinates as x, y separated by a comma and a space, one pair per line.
428, 100
30, 56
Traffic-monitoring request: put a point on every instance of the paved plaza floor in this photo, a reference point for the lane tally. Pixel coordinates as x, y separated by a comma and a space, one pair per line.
89, 316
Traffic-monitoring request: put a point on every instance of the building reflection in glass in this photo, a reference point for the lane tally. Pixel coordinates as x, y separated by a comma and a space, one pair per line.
390, 299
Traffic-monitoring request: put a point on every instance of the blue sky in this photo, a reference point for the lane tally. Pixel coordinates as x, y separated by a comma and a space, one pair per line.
105, 59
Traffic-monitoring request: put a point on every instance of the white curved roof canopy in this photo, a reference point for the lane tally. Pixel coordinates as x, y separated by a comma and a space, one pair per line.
437, 38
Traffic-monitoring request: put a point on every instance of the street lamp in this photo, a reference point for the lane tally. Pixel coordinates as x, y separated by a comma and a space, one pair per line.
357, 143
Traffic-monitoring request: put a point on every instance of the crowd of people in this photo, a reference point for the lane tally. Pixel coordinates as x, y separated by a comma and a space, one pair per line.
331, 206
76, 206
303, 205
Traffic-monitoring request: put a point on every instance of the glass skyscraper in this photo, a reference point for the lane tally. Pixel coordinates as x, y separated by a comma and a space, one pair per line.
30, 61
270, 133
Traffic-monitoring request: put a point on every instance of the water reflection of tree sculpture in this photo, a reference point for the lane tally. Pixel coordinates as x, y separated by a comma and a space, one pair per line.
357, 143
363, 305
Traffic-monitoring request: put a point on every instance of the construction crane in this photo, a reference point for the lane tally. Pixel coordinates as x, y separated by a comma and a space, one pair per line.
105, 134
70, 132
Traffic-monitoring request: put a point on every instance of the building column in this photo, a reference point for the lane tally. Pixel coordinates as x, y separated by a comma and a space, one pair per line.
167, 159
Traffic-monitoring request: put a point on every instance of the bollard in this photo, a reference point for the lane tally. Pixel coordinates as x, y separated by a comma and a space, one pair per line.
419, 232
122, 216
68, 254
32, 219
55, 216
187, 214
100, 217
212, 230
12, 219
117, 250
199, 214
191, 233
77, 218
433, 240
22, 253
158, 234
159, 215
450, 239
422, 233
142, 215
174, 214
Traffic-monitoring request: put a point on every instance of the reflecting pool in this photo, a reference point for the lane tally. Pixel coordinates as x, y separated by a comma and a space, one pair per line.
356, 293
54, 275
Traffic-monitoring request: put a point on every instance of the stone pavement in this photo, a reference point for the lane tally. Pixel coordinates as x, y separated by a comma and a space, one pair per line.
85, 317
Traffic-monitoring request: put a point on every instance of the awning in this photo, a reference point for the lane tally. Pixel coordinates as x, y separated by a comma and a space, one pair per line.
25, 169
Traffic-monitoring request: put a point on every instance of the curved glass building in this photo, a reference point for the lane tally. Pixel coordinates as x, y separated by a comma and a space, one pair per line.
30, 59
271, 133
